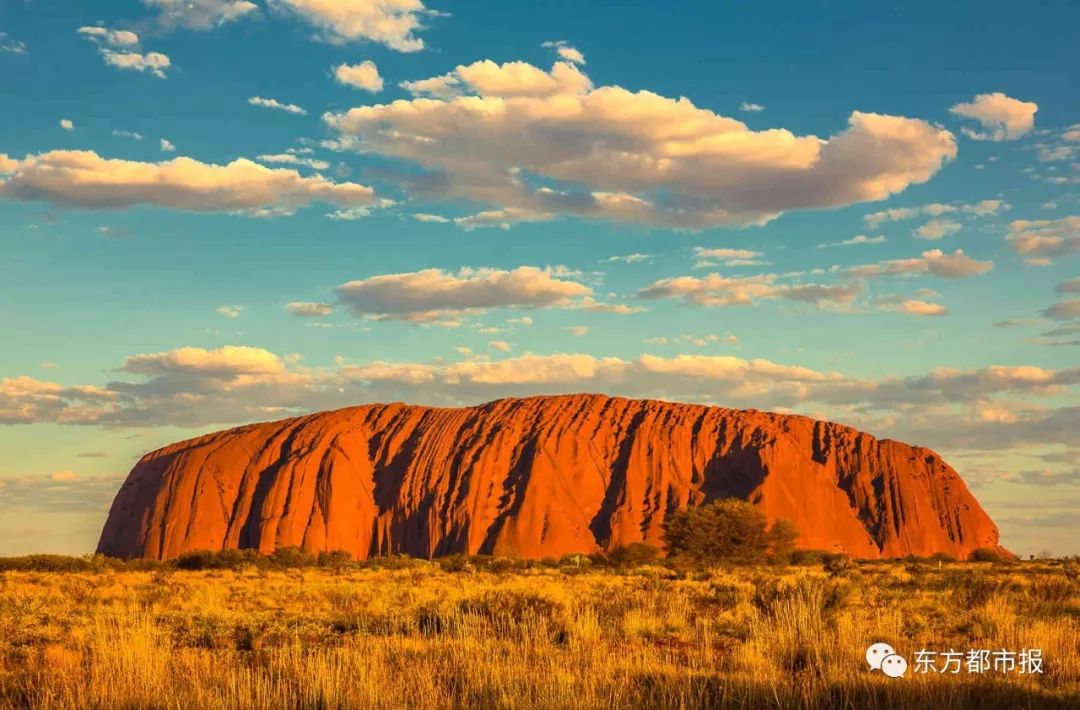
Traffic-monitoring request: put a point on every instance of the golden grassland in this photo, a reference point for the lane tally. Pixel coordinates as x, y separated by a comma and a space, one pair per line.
422, 635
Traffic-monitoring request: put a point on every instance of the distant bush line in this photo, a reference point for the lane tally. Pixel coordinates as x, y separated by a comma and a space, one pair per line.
629, 557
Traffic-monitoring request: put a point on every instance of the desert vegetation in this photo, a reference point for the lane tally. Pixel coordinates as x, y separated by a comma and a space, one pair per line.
240, 630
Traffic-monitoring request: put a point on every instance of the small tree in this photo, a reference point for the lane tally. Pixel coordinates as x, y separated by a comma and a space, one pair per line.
634, 555
782, 537
729, 531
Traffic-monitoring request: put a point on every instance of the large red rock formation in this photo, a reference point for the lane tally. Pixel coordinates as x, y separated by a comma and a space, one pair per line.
536, 477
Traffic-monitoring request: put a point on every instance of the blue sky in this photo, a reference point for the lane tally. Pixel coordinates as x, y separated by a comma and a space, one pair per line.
225, 211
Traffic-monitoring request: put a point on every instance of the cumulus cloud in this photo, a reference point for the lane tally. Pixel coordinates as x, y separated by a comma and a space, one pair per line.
1001, 117
200, 14
119, 48
167, 146
934, 262
751, 107
277, 105
67, 124
388, 22
364, 75
1045, 238
309, 308
937, 229
198, 387
27, 400
983, 208
154, 63
496, 133
113, 38
84, 179
426, 296
224, 361
717, 290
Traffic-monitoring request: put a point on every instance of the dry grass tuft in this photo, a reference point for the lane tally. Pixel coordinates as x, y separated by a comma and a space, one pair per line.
424, 635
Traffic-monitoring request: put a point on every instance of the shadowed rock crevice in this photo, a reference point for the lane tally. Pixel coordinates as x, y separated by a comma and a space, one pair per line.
536, 477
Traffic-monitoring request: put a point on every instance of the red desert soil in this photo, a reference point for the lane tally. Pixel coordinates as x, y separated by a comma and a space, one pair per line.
535, 477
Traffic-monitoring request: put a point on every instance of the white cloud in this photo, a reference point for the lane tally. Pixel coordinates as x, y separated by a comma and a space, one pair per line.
699, 341
728, 257
1001, 117
201, 14
501, 219
388, 22
67, 124
350, 214
493, 132
435, 218
119, 49
500, 345
912, 306
275, 104
1045, 238
717, 290
85, 179
225, 361
635, 258
230, 311
431, 294
855, 241
443, 87
307, 309
11, 46
113, 38
983, 208
128, 134
748, 107
565, 51
196, 387
1055, 153
934, 262
167, 146
364, 75
154, 63
293, 159
937, 229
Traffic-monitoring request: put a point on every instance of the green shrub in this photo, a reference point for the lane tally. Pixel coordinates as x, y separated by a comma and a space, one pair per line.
987, 554
635, 554
728, 531
219, 559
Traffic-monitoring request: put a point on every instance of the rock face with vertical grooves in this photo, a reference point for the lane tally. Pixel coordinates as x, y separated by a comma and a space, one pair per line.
535, 477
